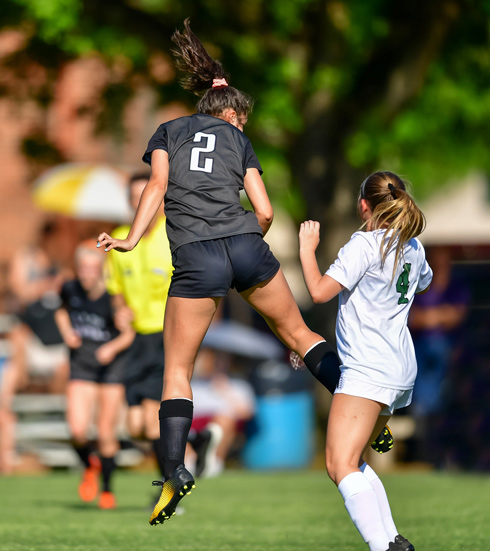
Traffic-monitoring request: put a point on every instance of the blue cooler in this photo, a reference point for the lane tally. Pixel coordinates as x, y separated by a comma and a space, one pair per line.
282, 434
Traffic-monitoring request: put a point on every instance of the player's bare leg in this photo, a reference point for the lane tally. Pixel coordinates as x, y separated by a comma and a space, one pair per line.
358, 419
8, 384
186, 323
81, 398
273, 300
111, 398
353, 422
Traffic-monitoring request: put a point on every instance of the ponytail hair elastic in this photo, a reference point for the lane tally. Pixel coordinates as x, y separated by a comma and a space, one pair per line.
219, 83
392, 189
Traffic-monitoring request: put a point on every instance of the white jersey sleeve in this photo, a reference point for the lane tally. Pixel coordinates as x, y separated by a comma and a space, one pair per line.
352, 262
425, 278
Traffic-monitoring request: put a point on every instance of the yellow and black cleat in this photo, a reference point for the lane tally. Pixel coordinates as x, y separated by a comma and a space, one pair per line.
180, 484
384, 442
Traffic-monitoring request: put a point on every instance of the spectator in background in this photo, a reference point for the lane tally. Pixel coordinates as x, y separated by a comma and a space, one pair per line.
32, 272
434, 319
222, 404
38, 351
9, 382
97, 365
138, 282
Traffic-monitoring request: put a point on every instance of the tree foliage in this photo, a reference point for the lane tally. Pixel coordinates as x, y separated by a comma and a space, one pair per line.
342, 87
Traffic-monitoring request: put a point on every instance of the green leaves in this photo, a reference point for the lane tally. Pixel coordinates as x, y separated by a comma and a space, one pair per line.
361, 85
54, 19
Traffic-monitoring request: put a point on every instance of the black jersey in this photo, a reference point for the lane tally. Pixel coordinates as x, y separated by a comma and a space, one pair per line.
39, 317
91, 319
208, 158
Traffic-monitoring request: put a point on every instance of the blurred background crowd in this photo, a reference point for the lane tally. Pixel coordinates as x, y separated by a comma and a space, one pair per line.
341, 89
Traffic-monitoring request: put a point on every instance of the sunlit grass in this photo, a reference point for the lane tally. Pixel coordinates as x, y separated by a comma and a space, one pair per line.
240, 511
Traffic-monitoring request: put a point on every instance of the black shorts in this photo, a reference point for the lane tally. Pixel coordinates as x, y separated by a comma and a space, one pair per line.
144, 375
85, 367
210, 268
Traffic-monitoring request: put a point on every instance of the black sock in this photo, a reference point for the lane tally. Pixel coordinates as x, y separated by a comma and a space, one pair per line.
108, 467
175, 423
157, 449
83, 452
324, 365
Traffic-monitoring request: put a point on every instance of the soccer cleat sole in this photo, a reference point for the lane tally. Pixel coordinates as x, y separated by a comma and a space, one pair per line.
180, 484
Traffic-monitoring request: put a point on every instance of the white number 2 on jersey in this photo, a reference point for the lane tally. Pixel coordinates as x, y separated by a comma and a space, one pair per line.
196, 152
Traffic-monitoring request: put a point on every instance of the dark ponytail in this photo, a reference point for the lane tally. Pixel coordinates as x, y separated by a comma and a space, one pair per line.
200, 70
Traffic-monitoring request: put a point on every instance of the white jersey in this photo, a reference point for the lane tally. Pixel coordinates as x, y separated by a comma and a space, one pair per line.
373, 339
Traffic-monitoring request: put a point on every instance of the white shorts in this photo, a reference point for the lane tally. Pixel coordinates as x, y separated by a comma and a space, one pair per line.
392, 397
222, 396
43, 360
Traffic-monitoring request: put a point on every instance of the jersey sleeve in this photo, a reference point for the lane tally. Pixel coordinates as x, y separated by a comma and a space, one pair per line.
352, 262
425, 277
159, 140
250, 159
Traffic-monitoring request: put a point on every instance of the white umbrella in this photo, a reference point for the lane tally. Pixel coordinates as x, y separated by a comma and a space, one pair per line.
235, 338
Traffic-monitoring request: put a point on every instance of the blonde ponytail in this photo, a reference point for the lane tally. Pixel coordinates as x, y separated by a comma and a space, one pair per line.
393, 210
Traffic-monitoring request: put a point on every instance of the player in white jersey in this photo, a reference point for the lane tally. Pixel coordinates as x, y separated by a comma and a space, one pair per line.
377, 273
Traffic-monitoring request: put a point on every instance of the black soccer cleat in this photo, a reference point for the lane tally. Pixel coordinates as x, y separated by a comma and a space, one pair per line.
394, 547
404, 543
173, 490
384, 442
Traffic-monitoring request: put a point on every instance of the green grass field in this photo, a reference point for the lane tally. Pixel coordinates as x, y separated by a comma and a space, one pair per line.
241, 511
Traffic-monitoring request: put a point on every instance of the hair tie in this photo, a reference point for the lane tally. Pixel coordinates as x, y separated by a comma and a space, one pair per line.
219, 82
392, 189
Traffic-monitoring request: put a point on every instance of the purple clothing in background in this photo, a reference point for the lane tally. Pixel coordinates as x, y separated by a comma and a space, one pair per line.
456, 294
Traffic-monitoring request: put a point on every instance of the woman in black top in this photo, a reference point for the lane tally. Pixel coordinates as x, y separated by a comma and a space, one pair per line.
97, 366
199, 164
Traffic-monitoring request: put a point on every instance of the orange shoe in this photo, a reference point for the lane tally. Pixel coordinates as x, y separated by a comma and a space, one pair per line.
89, 486
107, 500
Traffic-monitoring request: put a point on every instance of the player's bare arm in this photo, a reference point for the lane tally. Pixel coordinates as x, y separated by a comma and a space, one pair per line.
321, 287
257, 194
106, 353
70, 337
150, 201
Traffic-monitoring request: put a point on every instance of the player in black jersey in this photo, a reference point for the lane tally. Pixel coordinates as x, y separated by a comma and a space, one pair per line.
199, 164
97, 366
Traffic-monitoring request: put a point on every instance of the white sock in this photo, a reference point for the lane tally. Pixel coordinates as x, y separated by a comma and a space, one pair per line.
383, 502
362, 505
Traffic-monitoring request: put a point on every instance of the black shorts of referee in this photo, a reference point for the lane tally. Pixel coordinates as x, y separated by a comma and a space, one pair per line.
211, 268
144, 374
85, 367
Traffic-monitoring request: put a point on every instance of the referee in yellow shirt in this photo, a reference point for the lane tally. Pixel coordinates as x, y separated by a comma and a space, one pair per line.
139, 281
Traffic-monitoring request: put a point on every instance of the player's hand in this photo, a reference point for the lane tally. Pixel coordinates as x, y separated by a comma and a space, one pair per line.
309, 235
72, 339
105, 354
108, 243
